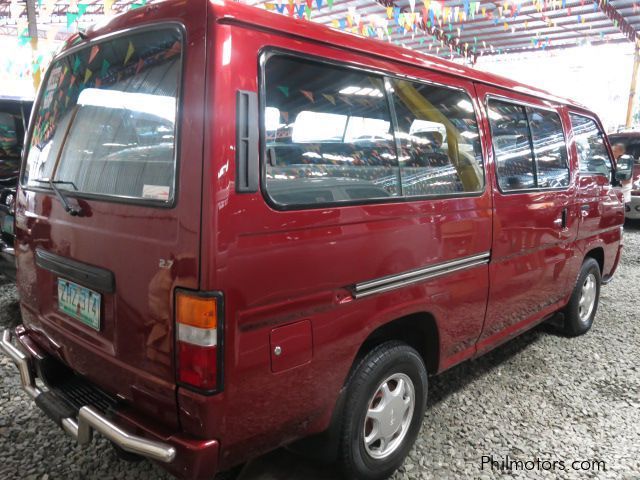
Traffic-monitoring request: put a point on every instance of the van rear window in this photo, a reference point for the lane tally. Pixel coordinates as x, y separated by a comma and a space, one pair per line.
106, 119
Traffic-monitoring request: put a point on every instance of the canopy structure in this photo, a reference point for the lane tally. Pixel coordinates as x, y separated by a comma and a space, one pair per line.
462, 30
468, 29
458, 28
61, 17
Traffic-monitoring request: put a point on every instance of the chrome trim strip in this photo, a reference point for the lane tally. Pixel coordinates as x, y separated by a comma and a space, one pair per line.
89, 419
422, 271
392, 282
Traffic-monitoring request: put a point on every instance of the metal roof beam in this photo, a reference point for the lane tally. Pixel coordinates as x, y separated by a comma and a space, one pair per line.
524, 48
616, 17
589, 29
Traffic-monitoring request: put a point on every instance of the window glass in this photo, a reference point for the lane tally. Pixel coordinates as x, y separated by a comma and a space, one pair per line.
9, 141
549, 148
629, 145
106, 122
440, 144
328, 134
512, 146
592, 152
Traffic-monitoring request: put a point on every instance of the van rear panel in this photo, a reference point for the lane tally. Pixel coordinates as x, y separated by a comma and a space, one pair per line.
108, 210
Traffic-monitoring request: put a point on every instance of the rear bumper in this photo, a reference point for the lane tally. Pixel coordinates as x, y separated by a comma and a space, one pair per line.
183, 456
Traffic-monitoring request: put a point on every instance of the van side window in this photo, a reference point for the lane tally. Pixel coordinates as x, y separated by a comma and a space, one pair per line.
549, 148
328, 134
529, 147
593, 157
440, 150
512, 146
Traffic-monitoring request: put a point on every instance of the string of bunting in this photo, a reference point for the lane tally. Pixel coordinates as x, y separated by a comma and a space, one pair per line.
424, 24
443, 26
44, 48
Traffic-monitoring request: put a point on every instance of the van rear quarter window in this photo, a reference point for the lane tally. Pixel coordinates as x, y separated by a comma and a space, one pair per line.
106, 121
331, 137
328, 134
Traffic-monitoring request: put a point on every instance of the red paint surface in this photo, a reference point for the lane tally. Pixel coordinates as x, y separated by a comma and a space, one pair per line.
291, 346
276, 268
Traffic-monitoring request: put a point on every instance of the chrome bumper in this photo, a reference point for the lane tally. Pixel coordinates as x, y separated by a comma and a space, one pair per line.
89, 419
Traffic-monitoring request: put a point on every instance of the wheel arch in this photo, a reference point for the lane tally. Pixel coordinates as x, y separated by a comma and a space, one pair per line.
418, 330
597, 253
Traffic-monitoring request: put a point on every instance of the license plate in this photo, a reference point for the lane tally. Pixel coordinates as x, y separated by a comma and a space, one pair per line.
79, 302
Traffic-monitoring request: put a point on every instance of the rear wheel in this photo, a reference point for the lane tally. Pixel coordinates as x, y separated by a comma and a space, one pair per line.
582, 307
386, 399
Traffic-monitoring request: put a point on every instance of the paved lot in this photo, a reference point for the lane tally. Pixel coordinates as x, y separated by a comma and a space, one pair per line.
541, 398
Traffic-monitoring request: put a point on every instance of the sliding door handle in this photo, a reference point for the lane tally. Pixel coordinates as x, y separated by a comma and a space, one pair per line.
561, 221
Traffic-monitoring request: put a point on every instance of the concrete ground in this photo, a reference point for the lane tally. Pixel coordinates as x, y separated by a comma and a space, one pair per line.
540, 398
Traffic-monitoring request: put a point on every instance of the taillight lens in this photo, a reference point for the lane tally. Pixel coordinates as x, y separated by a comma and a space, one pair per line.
198, 328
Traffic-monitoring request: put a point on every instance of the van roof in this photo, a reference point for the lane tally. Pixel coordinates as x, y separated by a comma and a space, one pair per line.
236, 13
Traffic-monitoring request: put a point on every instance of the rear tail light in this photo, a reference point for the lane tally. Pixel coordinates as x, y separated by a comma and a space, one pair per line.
198, 339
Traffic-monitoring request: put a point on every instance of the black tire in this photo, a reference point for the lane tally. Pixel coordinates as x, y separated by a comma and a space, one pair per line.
232, 474
381, 364
576, 322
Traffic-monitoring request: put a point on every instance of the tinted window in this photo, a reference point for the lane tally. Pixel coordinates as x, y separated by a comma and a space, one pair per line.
328, 134
512, 146
549, 148
9, 138
438, 135
592, 152
111, 109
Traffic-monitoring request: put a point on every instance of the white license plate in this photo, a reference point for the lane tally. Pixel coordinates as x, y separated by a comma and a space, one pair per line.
79, 302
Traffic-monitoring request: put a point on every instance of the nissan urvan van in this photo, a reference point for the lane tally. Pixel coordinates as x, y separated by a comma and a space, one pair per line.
236, 231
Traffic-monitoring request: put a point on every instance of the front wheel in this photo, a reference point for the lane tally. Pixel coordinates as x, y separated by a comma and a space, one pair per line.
583, 304
386, 400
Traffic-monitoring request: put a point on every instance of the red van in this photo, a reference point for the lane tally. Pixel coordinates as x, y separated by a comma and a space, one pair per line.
235, 230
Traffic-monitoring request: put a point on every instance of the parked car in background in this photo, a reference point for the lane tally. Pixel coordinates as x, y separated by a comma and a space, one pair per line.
14, 119
631, 144
236, 230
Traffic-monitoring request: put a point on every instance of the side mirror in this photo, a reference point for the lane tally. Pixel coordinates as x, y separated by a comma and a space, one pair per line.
624, 168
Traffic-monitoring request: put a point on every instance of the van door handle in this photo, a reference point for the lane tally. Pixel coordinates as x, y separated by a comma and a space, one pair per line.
561, 222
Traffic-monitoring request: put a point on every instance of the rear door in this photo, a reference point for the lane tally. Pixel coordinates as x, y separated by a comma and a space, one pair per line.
534, 222
97, 277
